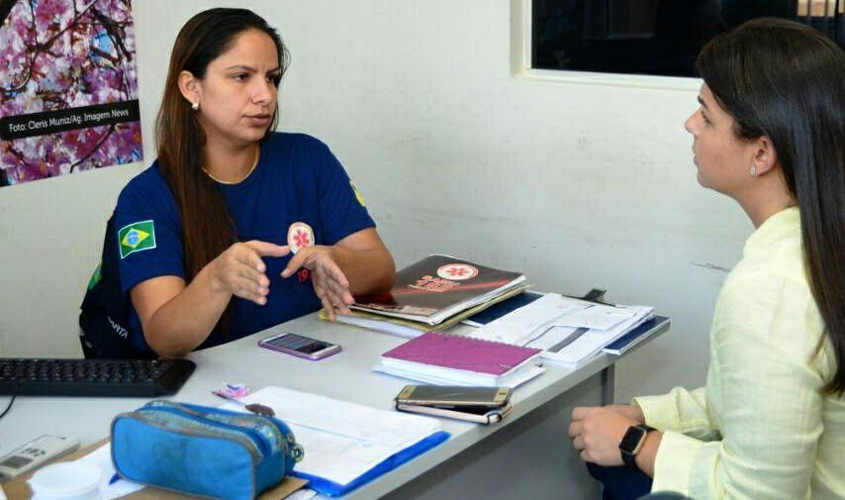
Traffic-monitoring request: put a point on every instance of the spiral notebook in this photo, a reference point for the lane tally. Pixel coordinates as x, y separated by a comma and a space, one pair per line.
441, 357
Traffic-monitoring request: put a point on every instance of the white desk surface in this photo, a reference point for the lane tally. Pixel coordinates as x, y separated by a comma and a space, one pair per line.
346, 376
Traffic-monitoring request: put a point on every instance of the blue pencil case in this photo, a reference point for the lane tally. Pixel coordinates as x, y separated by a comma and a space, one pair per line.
203, 451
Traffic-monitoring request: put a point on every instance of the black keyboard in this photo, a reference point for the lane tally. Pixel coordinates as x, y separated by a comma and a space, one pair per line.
93, 377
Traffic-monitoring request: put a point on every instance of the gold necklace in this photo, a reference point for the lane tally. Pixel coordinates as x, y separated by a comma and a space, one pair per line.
254, 164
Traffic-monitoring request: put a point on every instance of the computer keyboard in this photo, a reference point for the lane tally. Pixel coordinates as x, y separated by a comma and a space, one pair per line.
93, 377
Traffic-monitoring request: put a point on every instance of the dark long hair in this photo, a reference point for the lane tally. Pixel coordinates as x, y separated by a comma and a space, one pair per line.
207, 227
786, 81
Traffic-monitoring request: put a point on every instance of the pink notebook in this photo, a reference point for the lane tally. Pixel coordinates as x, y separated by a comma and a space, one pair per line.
462, 353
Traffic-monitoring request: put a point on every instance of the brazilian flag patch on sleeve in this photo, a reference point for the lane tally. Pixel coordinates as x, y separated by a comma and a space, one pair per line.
136, 237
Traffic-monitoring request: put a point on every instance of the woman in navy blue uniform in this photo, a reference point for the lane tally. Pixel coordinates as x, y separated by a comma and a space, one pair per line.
236, 228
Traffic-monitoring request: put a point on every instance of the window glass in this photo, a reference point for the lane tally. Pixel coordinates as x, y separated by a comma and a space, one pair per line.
655, 37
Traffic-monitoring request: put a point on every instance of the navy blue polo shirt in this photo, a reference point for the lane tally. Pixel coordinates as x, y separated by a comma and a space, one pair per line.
297, 179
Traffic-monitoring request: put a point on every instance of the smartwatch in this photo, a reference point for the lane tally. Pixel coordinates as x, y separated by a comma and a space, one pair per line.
632, 442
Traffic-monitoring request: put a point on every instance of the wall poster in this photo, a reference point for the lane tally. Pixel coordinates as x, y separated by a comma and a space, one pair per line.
68, 88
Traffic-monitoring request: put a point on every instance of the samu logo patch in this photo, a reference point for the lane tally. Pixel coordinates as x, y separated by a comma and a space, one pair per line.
136, 237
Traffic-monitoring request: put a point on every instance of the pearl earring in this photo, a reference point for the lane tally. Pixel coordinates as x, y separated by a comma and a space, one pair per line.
753, 171
195, 106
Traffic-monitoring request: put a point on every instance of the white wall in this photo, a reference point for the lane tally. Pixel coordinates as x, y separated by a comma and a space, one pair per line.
579, 185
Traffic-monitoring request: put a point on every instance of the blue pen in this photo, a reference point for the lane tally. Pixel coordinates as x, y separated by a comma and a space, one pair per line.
114, 478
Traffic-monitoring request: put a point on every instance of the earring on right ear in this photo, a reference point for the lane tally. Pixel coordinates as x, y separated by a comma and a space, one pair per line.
753, 171
195, 106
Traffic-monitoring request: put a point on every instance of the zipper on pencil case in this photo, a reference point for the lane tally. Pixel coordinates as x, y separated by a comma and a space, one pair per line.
266, 426
176, 419
162, 419
235, 421
268, 430
274, 439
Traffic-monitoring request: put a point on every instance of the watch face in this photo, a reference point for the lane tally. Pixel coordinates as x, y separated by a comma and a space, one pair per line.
631, 440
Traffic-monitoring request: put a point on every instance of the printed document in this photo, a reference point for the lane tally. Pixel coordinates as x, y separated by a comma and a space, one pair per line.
342, 440
525, 324
568, 330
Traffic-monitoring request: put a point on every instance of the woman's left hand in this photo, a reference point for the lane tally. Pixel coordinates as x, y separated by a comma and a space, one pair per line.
596, 433
329, 282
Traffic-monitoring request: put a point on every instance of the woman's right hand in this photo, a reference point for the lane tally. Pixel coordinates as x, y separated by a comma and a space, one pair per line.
240, 270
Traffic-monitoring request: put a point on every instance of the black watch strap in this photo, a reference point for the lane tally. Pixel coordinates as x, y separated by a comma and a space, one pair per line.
632, 443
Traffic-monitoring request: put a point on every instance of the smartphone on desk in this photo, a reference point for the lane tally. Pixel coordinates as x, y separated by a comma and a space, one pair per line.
486, 416
300, 346
477, 399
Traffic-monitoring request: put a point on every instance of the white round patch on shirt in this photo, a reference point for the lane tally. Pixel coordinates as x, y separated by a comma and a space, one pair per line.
457, 272
300, 235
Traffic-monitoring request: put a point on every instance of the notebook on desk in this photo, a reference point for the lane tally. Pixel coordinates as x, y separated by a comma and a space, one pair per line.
410, 329
462, 360
438, 287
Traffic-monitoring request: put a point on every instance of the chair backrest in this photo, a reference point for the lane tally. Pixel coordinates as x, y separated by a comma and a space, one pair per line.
104, 320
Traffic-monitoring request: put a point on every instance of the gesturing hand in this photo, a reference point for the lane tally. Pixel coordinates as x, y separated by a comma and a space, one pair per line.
596, 433
240, 271
330, 283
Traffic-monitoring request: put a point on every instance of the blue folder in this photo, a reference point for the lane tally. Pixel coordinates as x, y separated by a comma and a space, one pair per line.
635, 336
332, 489
499, 309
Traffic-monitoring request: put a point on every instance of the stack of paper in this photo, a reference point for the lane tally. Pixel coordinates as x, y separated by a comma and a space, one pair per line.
444, 359
346, 445
410, 329
631, 339
435, 292
567, 330
499, 309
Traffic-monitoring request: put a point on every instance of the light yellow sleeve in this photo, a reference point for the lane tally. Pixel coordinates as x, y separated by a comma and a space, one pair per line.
764, 390
681, 411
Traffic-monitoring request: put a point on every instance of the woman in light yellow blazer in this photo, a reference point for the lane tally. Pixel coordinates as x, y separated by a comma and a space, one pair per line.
770, 423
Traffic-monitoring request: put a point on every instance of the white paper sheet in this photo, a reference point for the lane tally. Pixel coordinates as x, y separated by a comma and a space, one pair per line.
550, 320
303, 494
552, 337
589, 343
381, 326
514, 380
101, 458
528, 322
595, 317
342, 440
